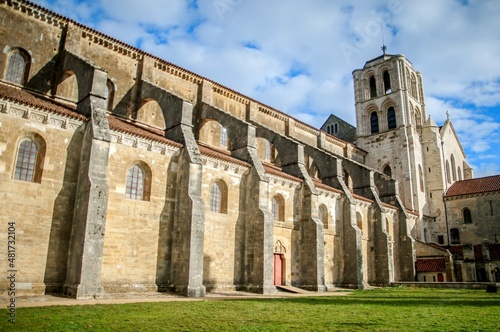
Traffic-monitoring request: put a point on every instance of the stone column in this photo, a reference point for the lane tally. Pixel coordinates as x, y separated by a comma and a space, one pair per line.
311, 245
189, 221
83, 279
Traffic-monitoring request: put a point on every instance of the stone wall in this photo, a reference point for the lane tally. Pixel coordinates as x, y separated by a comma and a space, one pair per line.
79, 233
42, 210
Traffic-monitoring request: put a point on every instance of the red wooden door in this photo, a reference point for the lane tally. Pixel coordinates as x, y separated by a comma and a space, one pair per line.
278, 269
440, 277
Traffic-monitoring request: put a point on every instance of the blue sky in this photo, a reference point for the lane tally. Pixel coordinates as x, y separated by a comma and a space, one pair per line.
298, 56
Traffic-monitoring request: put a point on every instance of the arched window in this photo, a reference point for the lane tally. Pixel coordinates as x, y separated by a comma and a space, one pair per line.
448, 177
391, 118
453, 168
387, 170
467, 216
264, 149
150, 113
18, 67
278, 208
413, 87
215, 198
374, 122
348, 180
213, 133
268, 151
218, 197
135, 183
417, 118
373, 87
421, 178
223, 137
30, 158
459, 171
110, 95
426, 235
359, 220
26, 161
323, 215
332, 129
454, 236
387, 82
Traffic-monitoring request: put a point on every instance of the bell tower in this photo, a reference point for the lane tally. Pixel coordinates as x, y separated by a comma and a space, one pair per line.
390, 113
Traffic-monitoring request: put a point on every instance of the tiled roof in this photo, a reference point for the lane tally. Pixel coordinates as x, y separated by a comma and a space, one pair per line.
478, 252
457, 251
494, 249
362, 198
36, 101
430, 265
387, 205
276, 171
125, 126
222, 155
321, 185
435, 246
474, 186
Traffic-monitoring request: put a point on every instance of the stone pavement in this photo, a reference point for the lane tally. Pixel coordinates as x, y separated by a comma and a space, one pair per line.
119, 298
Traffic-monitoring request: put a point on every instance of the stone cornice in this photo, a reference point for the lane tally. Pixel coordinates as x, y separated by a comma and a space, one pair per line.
39, 115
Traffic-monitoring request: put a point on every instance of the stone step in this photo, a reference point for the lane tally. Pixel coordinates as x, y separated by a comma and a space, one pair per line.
293, 289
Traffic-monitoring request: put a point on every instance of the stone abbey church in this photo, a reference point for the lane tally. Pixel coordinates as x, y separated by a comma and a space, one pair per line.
123, 172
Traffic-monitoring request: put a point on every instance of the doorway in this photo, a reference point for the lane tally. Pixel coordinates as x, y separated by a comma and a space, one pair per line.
279, 269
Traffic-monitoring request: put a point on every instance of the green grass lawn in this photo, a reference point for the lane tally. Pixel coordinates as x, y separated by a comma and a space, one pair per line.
387, 309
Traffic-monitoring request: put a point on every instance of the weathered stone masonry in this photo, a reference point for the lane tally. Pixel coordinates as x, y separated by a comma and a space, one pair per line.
233, 194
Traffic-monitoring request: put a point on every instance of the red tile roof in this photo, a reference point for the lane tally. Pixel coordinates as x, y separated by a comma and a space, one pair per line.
37, 101
494, 249
222, 155
123, 125
478, 252
458, 251
273, 170
474, 186
362, 198
430, 265
321, 185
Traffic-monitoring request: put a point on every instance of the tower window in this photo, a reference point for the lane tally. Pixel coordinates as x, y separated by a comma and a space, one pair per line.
391, 118
421, 178
387, 82
374, 122
413, 87
373, 87
387, 170
332, 129
455, 236
467, 216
